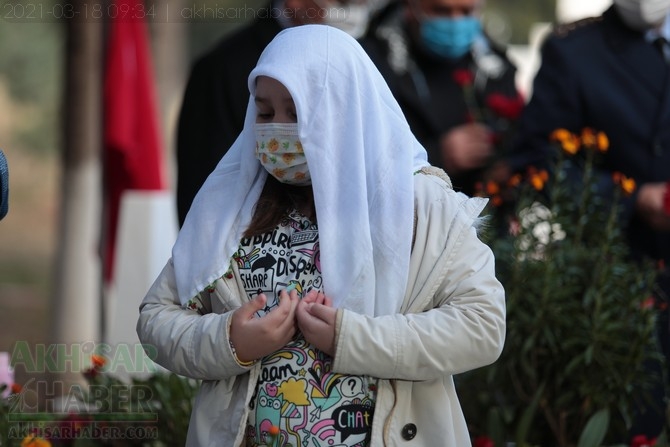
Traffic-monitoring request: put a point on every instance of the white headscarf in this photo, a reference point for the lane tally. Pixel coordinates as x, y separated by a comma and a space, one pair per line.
361, 156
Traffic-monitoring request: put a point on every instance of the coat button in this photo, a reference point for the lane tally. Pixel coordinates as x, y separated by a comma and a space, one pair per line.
408, 432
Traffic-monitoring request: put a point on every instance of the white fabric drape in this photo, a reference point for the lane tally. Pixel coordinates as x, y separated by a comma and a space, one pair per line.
361, 155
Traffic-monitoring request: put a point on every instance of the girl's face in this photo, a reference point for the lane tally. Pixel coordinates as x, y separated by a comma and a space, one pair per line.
273, 102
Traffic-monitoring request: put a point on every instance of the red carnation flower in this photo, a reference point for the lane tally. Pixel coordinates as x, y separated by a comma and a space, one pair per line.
463, 77
642, 441
483, 441
505, 106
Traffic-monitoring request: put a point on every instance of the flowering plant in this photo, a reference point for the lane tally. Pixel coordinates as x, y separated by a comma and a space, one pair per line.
579, 322
6, 405
151, 411
166, 397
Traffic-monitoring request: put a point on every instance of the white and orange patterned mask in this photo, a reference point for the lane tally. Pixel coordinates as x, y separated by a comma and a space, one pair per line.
280, 152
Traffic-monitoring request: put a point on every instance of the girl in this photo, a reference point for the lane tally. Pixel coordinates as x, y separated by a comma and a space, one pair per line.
327, 282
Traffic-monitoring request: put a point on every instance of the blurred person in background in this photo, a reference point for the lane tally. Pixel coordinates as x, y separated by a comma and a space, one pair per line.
215, 101
611, 73
455, 85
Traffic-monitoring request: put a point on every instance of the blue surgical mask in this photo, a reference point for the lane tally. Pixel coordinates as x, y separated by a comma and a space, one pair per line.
450, 37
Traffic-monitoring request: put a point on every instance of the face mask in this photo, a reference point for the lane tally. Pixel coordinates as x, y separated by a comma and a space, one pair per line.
642, 15
280, 152
352, 19
450, 37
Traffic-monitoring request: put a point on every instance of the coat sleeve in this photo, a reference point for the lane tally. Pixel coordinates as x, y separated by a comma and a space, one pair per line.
463, 328
182, 340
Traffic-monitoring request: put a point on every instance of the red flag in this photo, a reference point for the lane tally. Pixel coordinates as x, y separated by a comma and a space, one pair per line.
132, 144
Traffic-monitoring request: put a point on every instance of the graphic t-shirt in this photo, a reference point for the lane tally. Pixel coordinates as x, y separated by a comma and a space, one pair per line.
298, 400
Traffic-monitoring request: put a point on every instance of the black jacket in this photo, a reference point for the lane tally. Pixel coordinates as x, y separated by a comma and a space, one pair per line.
214, 106
424, 85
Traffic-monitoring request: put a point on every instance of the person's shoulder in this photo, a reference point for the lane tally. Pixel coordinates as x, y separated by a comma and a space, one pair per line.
432, 184
389, 15
432, 178
577, 30
576, 39
433, 191
249, 39
386, 28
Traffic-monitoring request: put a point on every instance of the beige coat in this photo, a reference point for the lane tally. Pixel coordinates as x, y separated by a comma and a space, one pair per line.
452, 320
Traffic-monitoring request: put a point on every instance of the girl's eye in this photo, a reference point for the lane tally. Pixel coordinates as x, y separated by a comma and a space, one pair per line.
264, 116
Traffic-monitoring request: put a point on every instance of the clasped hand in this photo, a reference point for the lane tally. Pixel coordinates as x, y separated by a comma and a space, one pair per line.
254, 337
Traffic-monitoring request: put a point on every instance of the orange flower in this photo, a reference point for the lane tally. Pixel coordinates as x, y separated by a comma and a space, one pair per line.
514, 180
626, 184
98, 361
603, 143
569, 142
496, 201
492, 188
273, 430
16, 388
288, 157
588, 137
34, 441
571, 145
595, 140
560, 135
273, 145
538, 179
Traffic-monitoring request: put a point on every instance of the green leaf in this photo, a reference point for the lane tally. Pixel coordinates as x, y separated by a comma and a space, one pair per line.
495, 426
595, 429
527, 418
662, 440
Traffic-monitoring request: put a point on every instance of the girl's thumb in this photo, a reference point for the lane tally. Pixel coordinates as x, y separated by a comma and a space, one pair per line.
258, 302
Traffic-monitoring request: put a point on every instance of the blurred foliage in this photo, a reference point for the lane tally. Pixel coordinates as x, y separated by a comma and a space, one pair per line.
511, 20
143, 412
31, 69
